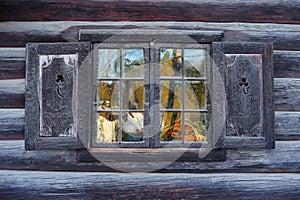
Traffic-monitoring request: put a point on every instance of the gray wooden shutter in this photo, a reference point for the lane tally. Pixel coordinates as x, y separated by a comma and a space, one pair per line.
53, 71
247, 73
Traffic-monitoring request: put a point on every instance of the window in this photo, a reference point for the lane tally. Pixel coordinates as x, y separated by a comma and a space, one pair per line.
130, 114
148, 90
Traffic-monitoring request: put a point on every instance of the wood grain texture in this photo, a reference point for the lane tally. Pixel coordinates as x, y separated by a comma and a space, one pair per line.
284, 36
74, 185
284, 158
12, 93
133, 10
287, 64
286, 90
12, 63
287, 125
12, 123
287, 93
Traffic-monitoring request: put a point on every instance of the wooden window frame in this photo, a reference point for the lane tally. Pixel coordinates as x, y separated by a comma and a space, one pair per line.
85, 110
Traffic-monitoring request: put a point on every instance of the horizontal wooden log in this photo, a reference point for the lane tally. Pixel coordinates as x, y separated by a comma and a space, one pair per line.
281, 40
12, 63
284, 158
287, 93
285, 37
12, 123
75, 185
287, 125
12, 93
286, 64
138, 10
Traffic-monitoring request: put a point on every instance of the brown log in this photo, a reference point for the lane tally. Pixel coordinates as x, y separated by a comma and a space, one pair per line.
137, 10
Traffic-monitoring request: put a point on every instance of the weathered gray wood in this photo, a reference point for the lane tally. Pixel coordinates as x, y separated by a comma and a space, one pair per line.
12, 93
281, 40
74, 185
287, 93
12, 63
287, 125
51, 93
284, 158
287, 64
284, 36
138, 35
11, 124
247, 71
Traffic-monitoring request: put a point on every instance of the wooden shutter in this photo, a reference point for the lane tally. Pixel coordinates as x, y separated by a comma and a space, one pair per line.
53, 71
247, 73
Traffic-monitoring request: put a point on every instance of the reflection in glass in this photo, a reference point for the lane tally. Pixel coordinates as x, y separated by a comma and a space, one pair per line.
170, 126
108, 125
133, 95
108, 95
194, 127
109, 63
133, 63
195, 95
194, 62
132, 126
170, 94
170, 62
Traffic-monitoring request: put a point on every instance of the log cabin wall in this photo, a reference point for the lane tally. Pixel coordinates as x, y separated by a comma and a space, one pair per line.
59, 21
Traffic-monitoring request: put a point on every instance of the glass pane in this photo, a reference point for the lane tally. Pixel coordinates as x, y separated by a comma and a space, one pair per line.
194, 62
194, 127
133, 63
108, 126
170, 126
132, 126
170, 62
108, 95
171, 94
109, 63
195, 95
133, 95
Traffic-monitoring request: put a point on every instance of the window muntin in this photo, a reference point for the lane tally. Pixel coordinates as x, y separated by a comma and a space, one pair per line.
124, 95
120, 95
183, 95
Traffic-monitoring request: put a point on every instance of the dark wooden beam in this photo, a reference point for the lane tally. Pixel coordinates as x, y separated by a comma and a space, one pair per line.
138, 10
